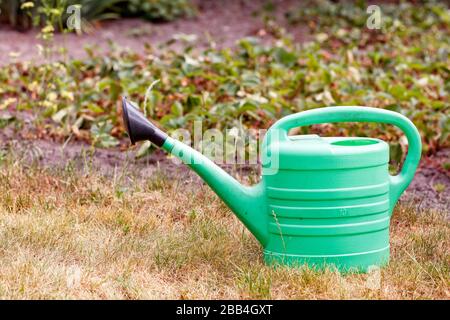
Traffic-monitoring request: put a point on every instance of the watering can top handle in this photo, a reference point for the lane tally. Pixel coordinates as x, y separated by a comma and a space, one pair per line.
362, 114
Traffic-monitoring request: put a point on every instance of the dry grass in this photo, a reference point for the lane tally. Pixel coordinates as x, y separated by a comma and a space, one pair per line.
69, 234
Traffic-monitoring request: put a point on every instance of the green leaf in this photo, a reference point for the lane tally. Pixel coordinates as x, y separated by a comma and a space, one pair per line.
177, 109
288, 59
250, 79
193, 101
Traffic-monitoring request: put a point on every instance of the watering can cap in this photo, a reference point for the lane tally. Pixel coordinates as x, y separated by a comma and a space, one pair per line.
312, 152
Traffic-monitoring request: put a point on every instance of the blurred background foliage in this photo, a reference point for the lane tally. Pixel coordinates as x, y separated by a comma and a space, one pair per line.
403, 66
24, 14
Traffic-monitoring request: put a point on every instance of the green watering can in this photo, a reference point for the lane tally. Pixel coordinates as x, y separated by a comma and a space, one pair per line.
321, 201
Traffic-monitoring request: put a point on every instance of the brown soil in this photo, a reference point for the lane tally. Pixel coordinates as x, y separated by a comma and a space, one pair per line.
220, 21
426, 188
430, 188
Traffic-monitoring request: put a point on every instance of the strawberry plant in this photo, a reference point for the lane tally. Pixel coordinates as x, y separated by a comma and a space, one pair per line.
404, 67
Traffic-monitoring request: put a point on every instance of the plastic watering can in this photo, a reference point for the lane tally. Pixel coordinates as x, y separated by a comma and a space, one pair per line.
321, 201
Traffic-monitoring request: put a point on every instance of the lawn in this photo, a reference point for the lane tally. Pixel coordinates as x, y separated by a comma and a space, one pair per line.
74, 233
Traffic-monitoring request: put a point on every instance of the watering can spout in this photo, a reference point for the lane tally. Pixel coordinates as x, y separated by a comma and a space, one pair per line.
246, 202
138, 127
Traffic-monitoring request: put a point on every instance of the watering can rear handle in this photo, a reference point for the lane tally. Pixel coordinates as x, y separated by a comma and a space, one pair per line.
363, 114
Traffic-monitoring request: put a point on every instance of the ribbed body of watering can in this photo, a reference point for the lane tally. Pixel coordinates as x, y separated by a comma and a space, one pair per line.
321, 201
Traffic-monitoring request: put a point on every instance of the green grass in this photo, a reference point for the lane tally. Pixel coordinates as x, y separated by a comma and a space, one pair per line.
68, 233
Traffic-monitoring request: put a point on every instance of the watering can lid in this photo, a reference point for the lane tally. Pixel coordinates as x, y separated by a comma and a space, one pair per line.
312, 152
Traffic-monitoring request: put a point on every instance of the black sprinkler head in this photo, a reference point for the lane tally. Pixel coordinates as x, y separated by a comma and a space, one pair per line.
139, 128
